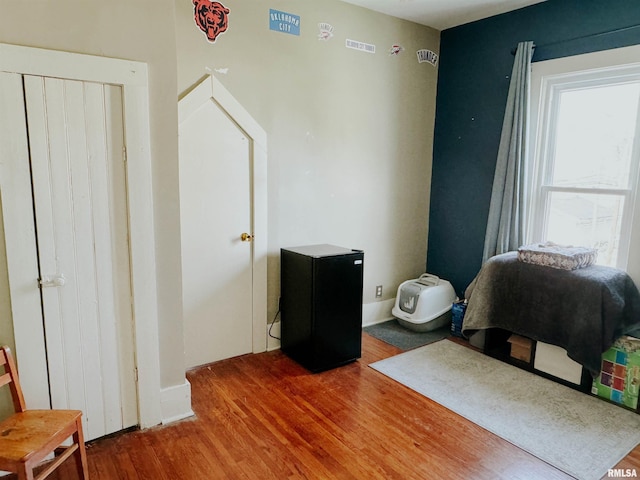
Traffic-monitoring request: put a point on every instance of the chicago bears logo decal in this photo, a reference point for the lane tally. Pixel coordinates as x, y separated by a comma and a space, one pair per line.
211, 17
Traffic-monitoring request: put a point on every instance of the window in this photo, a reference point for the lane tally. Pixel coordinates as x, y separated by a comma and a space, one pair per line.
587, 152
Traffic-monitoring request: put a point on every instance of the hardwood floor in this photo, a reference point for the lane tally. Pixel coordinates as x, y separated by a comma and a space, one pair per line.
265, 417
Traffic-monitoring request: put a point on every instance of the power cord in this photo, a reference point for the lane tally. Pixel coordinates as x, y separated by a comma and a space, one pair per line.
272, 322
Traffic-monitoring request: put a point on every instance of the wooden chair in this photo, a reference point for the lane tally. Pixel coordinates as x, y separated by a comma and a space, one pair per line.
29, 436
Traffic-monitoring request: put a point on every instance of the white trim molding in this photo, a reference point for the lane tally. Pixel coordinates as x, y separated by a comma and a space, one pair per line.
132, 77
377, 312
372, 314
176, 403
549, 79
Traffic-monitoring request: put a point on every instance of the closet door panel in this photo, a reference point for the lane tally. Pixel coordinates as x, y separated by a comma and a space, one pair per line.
20, 239
77, 163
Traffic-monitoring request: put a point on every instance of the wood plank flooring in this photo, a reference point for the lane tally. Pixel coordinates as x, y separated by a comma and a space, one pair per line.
264, 417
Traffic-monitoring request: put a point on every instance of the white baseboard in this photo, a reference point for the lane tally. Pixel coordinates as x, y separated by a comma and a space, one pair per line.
377, 312
372, 313
176, 402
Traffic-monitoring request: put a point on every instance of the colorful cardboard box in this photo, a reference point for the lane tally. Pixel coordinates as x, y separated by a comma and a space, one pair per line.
619, 379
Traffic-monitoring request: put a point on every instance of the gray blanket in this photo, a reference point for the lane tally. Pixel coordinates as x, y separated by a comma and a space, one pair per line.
583, 311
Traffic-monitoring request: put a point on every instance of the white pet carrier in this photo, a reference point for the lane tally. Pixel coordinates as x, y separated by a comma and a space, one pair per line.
424, 304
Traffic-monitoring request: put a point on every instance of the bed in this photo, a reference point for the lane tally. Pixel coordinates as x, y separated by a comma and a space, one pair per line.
583, 311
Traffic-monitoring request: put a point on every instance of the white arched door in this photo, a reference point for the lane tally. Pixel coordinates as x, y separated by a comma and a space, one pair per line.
222, 211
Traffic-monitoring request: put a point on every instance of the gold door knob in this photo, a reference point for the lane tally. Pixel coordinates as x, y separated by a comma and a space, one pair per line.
246, 237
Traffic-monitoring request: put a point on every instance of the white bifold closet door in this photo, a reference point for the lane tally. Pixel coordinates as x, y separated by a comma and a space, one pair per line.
76, 146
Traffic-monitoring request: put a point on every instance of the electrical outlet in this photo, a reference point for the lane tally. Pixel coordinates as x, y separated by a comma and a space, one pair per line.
378, 291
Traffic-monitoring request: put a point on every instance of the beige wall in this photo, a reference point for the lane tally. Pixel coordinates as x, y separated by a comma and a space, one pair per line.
350, 133
140, 30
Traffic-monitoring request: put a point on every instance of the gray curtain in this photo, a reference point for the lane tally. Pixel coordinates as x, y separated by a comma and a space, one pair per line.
506, 224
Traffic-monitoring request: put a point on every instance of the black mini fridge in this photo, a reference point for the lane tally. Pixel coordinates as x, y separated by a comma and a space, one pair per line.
321, 305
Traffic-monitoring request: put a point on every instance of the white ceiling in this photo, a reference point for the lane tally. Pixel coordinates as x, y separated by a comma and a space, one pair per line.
442, 14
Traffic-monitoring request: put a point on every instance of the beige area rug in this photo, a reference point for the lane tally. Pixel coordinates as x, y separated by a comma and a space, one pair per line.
579, 434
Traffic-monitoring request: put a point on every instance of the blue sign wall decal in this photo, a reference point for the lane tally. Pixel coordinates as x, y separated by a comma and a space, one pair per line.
284, 22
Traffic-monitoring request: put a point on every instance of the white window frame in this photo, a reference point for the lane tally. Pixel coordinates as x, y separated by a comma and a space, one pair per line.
548, 80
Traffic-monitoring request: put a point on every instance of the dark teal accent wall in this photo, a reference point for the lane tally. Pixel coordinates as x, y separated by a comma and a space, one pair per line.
473, 80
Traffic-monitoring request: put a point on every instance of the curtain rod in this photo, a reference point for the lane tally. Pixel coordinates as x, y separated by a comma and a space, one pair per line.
591, 35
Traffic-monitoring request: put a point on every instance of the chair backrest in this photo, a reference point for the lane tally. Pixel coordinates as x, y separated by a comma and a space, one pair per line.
10, 377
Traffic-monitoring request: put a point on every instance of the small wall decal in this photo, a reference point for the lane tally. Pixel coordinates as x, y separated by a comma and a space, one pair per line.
364, 47
326, 31
427, 56
396, 50
211, 17
284, 22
